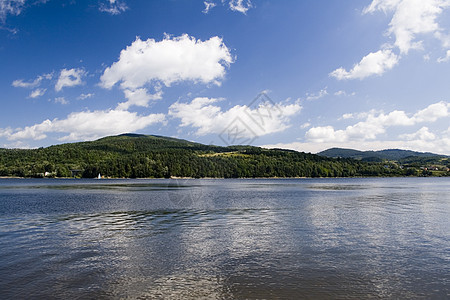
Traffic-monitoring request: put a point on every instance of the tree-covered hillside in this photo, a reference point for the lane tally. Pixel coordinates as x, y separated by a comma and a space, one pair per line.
144, 156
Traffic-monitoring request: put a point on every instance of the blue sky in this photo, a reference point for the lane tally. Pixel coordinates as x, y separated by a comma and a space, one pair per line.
304, 75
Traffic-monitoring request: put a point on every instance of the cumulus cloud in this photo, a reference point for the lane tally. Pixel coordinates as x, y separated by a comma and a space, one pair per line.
169, 61
410, 19
262, 119
37, 93
163, 63
375, 63
323, 134
138, 97
69, 78
423, 134
376, 124
113, 7
432, 112
86, 125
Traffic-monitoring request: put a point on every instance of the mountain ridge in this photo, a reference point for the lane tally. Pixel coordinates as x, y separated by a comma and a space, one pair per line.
385, 154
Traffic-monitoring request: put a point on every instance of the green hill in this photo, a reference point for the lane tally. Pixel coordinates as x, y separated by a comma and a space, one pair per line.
150, 156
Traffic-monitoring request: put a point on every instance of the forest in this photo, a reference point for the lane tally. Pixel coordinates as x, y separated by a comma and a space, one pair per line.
147, 156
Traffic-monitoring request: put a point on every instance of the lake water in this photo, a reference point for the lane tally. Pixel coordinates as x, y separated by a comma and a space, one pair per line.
225, 239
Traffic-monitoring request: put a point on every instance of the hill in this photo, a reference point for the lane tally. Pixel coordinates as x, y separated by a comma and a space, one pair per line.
389, 154
151, 156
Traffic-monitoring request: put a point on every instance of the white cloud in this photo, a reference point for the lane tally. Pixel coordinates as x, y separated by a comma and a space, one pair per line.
410, 18
87, 125
446, 58
37, 93
208, 6
69, 78
422, 140
171, 60
138, 97
91, 125
5, 132
323, 134
15, 7
422, 134
314, 96
85, 96
433, 112
384, 5
375, 63
376, 124
22, 84
61, 100
265, 118
35, 83
361, 115
240, 5
344, 93
10, 7
200, 113
35, 132
113, 7
305, 125
346, 116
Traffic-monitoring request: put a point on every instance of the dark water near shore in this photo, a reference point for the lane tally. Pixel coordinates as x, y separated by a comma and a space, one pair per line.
225, 239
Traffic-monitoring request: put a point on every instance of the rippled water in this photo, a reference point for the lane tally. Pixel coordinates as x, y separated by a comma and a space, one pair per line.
225, 239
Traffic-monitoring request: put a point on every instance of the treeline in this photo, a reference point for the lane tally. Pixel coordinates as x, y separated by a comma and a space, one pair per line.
134, 156
236, 165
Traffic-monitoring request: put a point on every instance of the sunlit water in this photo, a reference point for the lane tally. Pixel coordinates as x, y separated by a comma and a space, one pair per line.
225, 239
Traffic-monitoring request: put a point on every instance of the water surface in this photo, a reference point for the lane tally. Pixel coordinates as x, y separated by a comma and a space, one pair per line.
225, 239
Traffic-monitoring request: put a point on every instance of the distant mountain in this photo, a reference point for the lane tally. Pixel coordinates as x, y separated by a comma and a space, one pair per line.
389, 154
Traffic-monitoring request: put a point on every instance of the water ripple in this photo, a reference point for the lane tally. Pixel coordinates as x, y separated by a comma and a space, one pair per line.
236, 240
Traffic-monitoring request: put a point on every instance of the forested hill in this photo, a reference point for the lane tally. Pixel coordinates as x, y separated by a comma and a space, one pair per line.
146, 156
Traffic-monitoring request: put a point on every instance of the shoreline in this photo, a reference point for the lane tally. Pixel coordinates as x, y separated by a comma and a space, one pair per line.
224, 178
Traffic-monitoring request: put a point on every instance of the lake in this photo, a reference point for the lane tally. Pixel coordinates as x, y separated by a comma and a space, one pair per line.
225, 239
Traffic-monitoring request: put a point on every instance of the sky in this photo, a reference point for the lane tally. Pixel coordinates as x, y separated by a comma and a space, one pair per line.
295, 74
